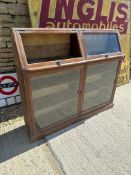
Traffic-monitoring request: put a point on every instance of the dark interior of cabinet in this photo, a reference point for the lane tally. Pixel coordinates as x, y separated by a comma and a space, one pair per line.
50, 47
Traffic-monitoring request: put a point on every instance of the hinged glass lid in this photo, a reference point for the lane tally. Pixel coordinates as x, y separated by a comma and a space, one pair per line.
101, 43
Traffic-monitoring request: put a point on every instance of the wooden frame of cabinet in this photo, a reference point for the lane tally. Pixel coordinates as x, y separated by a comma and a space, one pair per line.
27, 71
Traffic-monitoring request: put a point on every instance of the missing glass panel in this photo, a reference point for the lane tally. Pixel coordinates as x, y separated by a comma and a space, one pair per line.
50, 47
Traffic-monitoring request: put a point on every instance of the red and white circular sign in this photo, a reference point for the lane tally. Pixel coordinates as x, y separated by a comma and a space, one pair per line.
8, 85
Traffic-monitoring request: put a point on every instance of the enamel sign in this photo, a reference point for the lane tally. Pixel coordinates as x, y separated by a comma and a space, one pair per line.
86, 14
9, 89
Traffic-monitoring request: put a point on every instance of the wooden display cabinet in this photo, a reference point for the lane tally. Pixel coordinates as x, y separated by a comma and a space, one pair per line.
65, 75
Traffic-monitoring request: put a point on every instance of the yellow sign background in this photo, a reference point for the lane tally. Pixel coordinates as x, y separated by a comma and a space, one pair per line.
36, 10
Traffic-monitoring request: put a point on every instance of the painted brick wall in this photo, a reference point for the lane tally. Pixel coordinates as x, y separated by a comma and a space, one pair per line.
13, 13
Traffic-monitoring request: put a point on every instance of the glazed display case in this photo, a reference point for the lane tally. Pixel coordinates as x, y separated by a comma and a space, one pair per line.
65, 75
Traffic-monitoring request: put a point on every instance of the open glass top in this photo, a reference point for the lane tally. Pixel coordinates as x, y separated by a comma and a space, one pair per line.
48, 47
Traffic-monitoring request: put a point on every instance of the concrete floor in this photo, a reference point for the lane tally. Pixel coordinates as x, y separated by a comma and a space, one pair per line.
20, 157
100, 145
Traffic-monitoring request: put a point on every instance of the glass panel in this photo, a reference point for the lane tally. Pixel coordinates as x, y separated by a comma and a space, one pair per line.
101, 43
55, 97
99, 84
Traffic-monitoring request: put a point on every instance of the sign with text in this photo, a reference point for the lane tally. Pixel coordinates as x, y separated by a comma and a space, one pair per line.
9, 89
86, 14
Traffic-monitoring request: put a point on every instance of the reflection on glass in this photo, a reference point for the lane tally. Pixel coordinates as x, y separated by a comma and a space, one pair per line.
99, 84
55, 97
101, 43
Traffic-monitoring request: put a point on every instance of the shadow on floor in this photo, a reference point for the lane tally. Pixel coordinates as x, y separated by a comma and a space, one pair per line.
16, 142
